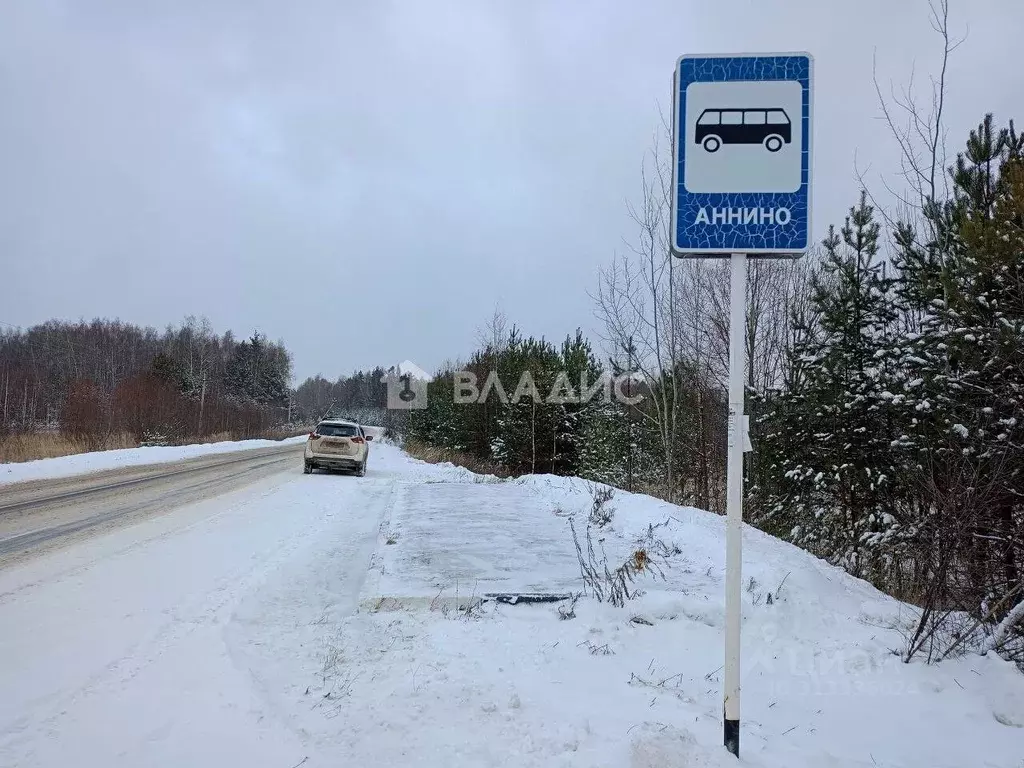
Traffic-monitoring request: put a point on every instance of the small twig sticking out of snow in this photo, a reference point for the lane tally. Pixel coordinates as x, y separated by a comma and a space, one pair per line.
329, 663
778, 591
302, 761
635, 679
433, 603
601, 512
597, 650
568, 611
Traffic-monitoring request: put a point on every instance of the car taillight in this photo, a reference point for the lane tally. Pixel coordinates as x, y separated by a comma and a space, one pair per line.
358, 440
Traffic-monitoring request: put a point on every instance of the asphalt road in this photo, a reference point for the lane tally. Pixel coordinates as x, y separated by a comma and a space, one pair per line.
43, 514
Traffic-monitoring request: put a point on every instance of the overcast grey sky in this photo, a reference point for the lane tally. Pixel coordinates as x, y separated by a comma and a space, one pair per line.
367, 180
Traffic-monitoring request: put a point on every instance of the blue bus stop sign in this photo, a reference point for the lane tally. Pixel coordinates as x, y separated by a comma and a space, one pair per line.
742, 154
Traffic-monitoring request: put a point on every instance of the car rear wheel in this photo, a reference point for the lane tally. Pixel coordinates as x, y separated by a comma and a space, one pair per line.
773, 143
361, 472
307, 468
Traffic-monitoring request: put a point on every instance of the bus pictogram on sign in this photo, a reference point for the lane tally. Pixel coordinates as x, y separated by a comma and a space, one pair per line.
770, 127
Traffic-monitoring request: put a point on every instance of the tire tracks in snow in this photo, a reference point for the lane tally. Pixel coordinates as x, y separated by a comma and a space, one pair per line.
176, 528
280, 634
375, 568
202, 608
22, 542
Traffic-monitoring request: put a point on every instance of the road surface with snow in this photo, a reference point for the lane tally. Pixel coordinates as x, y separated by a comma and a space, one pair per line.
89, 463
48, 513
314, 620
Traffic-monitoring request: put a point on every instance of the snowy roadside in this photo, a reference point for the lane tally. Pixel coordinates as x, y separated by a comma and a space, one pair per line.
313, 620
99, 461
411, 680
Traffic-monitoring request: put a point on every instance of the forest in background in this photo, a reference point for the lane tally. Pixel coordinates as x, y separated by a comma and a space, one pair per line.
88, 385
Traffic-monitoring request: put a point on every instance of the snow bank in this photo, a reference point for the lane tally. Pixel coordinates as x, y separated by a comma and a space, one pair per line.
84, 463
274, 648
638, 686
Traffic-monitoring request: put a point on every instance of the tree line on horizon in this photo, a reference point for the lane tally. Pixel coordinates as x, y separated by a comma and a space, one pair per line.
90, 380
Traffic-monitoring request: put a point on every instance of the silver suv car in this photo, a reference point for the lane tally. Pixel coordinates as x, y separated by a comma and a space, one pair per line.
337, 444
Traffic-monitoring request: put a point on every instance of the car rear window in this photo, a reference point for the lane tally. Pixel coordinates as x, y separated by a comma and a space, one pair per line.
337, 430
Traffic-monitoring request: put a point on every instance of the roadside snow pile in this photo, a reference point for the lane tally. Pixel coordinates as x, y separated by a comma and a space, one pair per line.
245, 630
84, 463
388, 457
418, 678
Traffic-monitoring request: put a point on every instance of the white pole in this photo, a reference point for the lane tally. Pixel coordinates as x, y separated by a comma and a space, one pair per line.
734, 501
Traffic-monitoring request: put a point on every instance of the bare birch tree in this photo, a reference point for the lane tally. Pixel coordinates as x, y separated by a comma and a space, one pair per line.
635, 300
918, 126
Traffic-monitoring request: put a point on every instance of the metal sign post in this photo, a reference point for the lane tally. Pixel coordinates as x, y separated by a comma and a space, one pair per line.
734, 500
741, 187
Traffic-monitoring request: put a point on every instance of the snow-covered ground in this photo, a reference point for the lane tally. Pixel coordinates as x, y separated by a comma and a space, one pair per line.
84, 463
311, 620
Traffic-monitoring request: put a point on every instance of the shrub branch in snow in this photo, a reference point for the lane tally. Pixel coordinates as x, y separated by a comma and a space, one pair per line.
650, 541
1003, 638
601, 511
1001, 634
567, 610
607, 584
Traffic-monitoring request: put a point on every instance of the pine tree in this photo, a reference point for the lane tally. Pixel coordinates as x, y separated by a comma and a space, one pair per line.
963, 437
603, 443
258, 373
833, 432
166, 370
579, 370
528, 427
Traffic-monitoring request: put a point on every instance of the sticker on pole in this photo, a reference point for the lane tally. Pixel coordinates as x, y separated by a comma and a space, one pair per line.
742, 164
